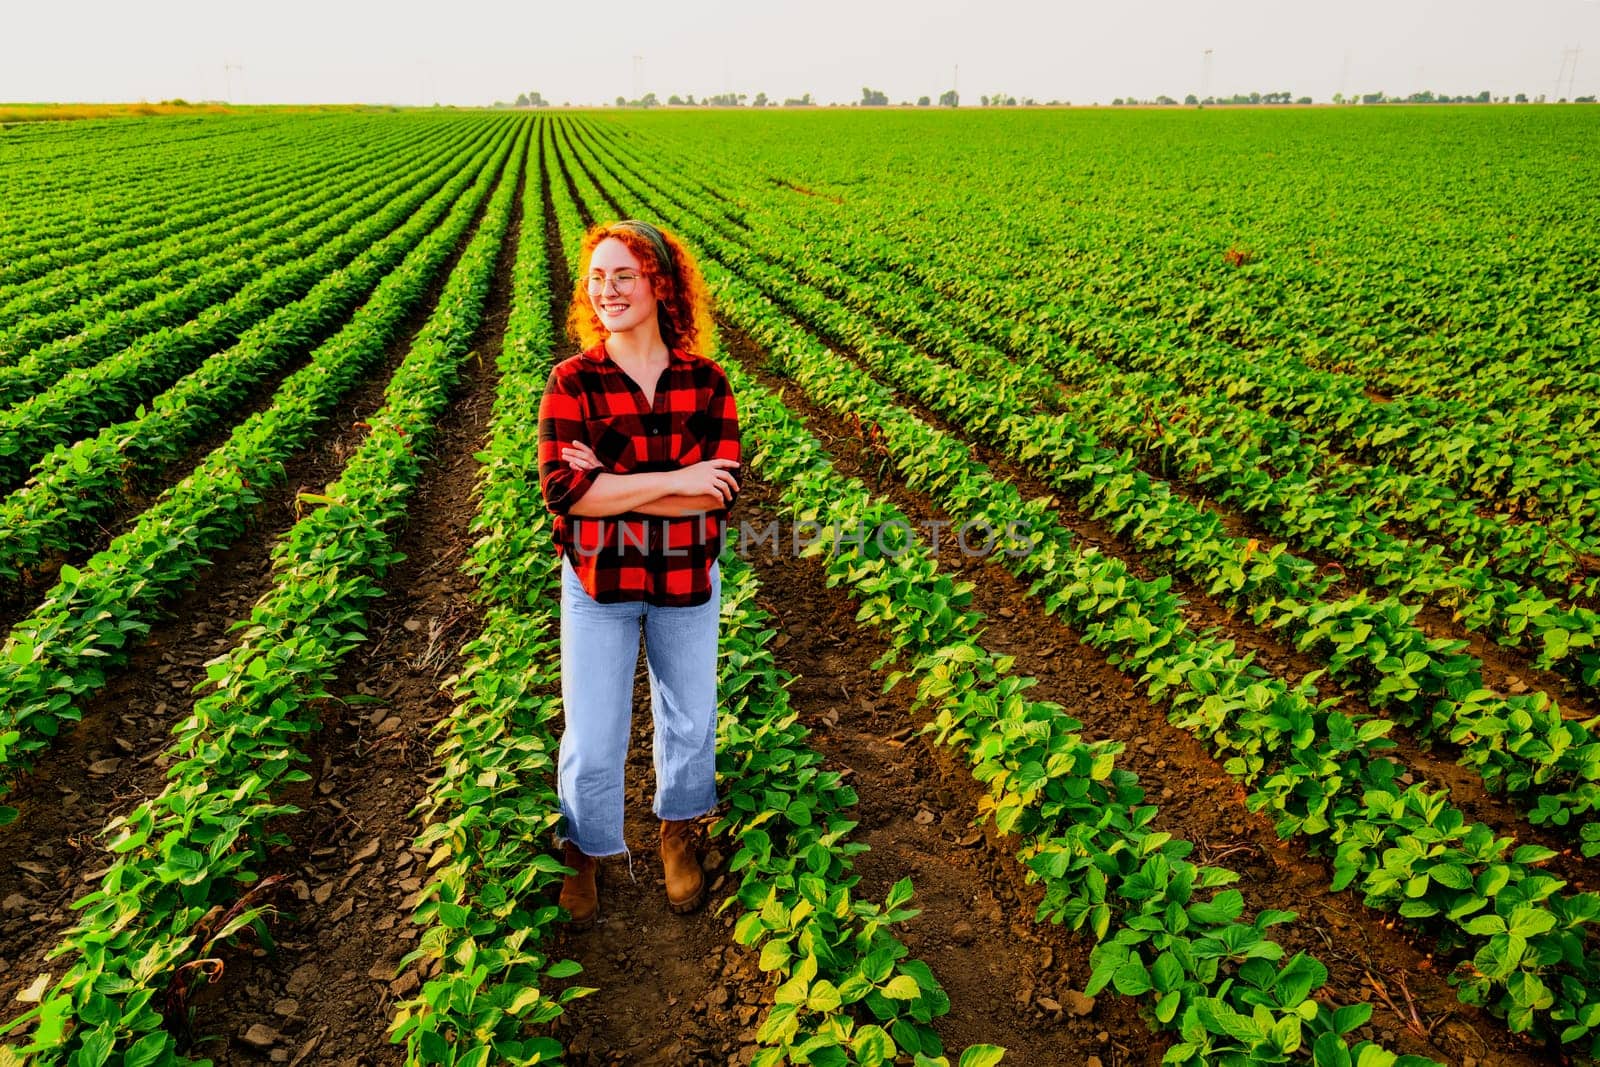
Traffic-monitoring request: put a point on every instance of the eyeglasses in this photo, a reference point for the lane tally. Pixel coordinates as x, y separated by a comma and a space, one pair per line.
623, 282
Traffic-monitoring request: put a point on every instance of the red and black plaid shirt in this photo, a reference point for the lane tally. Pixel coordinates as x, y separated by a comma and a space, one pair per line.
634, 556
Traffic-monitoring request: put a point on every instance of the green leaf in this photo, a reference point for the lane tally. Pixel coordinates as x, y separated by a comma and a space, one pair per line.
872, 1044
1225, 907
1166, 973
824, 996
1532, 854
981, 1056
1286, 1033
1531, 922
902, 987
1350, 1016
1329, 1051
564, 969
1218, 1018
96, 1048
1131, 979
775, 954
146, 1050
1451, 875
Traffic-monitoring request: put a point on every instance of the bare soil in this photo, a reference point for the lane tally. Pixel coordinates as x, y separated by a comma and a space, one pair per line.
326, 992
114, 760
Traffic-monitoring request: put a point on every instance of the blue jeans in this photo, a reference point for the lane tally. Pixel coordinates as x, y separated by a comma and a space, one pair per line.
599, 654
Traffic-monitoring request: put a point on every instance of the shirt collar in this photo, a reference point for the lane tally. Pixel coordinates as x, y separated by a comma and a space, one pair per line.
597, 354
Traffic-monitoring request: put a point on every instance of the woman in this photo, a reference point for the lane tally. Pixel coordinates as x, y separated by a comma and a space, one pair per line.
638, 442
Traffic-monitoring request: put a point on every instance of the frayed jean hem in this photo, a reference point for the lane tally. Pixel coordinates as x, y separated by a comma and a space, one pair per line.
707, 810
623, 851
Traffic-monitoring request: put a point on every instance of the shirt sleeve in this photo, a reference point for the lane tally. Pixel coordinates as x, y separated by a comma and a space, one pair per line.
561, 421
725, 428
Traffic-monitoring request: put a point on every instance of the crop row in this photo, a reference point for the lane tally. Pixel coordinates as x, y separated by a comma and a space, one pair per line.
1441, 339
1314, 766
1422, 475
86, 399
187, 873
1538, 353
1222, 982
320, 217
57, 656
57, 202
37, 151
1230, 451
1362, 325
1091, 296
1520, 743
1218, 453
1137, 260
1321, 772
1217, 383
494, 804
122, 280
1256, 464
75, 486
44, 252
1517, 459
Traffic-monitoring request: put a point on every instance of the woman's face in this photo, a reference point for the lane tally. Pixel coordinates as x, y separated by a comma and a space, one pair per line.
619, 291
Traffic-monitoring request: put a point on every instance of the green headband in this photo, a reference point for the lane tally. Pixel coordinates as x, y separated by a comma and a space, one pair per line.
657, 242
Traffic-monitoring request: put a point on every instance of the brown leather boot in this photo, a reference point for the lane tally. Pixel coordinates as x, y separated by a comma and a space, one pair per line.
578, 893
686, 883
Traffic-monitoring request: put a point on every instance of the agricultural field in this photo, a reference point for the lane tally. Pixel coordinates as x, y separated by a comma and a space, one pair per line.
1165, 631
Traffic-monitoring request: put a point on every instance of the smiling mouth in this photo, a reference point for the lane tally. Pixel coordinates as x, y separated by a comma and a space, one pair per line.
613, 309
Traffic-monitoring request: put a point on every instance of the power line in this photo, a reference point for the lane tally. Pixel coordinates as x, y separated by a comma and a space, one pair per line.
227, 73
1569, 71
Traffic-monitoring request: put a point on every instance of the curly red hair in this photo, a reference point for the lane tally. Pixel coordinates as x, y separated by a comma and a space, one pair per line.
683, 301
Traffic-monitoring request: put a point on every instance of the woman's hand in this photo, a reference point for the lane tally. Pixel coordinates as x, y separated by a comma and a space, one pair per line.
710, 476
580, 457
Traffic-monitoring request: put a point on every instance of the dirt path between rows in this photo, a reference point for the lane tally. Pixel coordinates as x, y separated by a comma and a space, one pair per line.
113, 760
325, 995
1198, 801
670, 989
1011, 982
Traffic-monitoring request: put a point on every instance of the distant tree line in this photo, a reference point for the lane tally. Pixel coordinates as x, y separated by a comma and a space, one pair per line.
869, 98
1429, 97
1424, 97
525, 100
878, 98
950, 98
1284, 97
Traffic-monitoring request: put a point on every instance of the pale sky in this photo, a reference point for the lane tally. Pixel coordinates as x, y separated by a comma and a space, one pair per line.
472, 52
